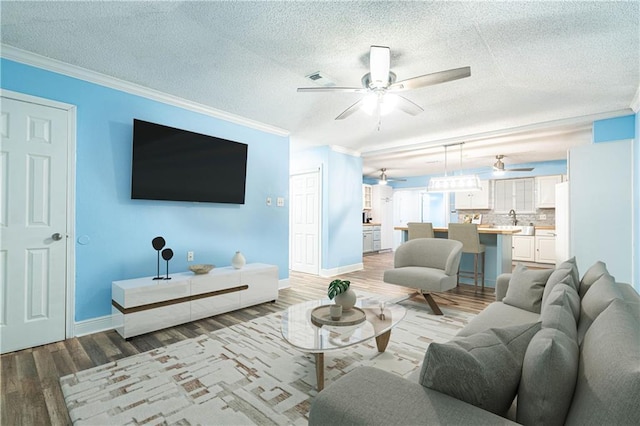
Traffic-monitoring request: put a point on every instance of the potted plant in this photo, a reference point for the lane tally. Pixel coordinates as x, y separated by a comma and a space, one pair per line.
340, 292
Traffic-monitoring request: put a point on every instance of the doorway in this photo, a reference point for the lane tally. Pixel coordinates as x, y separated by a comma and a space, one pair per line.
305, 190
36, 220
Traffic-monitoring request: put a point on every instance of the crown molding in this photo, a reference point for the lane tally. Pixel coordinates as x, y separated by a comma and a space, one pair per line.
53, 65
585, 121
343, 150
635, 103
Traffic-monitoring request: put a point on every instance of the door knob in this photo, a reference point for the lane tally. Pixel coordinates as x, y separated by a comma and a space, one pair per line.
56, 237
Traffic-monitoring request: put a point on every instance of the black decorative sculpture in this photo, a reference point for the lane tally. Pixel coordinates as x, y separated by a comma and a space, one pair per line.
167, 254
158, 243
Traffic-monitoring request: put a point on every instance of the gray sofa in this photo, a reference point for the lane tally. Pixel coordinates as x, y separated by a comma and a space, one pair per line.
552, 349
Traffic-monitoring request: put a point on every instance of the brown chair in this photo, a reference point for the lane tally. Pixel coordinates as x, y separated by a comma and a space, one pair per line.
467, 234
420, 230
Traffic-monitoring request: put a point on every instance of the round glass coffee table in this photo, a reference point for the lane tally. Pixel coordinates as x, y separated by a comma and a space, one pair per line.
303, 334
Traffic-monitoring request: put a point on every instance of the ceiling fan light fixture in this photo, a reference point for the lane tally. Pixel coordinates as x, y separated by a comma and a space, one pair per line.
379, 103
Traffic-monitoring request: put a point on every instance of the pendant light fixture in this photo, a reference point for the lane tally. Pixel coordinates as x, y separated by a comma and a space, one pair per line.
454, 183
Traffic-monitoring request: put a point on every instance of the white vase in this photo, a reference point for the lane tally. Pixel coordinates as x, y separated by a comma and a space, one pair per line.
238, 260
346, 299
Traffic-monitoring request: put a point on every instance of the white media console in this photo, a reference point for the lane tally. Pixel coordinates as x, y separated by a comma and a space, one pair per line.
142, 305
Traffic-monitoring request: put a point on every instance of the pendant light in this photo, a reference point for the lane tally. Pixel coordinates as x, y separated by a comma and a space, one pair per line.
454, 183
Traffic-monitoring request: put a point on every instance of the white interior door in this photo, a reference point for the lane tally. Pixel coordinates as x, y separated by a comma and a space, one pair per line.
305, 222
33, 221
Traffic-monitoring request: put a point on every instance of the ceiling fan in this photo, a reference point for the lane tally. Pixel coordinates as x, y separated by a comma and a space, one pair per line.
380, 84
498, 167
384, 179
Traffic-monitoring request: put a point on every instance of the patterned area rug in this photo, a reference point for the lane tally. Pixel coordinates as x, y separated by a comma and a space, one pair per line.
243, 374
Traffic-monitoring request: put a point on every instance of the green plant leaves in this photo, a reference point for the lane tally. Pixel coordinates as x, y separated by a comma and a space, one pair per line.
336, 287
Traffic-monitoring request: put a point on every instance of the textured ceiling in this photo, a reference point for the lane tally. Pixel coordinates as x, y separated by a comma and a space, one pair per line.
540, 71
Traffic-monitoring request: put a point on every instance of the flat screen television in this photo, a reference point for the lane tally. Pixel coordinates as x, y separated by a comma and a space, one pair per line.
178, 165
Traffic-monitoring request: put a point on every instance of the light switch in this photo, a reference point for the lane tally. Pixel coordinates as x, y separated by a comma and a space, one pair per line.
268, 201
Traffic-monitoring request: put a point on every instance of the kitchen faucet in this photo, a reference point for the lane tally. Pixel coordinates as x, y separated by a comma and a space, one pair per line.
512, 215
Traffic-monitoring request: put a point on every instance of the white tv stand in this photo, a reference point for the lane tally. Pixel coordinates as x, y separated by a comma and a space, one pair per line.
142, 305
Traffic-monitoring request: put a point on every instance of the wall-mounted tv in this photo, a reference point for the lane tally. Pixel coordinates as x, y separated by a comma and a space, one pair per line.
178, 165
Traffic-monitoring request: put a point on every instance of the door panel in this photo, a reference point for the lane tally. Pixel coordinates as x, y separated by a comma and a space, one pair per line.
305, 225
34, 174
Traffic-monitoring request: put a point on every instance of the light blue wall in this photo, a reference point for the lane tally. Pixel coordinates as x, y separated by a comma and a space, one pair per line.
341, 204
119, 229
636, 204
614, 129
557, 167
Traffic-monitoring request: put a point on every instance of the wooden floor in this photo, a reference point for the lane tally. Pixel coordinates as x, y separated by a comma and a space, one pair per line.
31, 393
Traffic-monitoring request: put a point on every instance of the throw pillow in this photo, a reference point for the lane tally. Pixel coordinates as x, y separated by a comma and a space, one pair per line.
563, 294
600, 295
558, 276
482, 369
597, 270
526, 287
549, 373
608, 382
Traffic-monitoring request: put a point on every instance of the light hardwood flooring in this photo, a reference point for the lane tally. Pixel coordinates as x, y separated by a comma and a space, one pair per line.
31, 393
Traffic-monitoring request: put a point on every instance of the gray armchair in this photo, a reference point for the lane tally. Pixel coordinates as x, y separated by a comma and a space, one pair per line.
429, 265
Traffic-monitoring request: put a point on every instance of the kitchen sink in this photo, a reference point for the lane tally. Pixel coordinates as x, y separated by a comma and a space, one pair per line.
524, 230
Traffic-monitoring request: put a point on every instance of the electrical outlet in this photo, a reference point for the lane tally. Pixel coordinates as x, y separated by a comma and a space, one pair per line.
280, 202
268, 201
189, 256
542, 217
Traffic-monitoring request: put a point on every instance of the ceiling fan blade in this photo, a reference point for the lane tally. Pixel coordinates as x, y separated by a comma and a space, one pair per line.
347, 112
333, 89
379, 64
431, 79
523, 169
408, 106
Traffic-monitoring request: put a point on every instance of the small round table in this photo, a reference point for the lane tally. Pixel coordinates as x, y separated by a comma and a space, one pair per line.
301, 332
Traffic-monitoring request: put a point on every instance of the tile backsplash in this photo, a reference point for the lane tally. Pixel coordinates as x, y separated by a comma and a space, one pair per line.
489, 217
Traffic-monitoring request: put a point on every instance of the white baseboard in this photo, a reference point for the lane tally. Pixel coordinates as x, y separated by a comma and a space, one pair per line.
93, 325
282, 284
325, 273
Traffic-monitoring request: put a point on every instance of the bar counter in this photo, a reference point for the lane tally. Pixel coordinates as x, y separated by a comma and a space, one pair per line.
498, 244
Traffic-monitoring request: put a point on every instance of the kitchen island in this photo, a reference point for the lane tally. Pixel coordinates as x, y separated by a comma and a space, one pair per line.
498, 244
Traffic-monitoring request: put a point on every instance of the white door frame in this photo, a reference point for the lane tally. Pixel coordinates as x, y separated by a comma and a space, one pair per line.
71, 197
317, 170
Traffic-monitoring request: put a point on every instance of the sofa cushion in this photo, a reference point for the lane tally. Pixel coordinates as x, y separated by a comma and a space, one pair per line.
548, 379
563, 294
482, 369
608, 381
565, 273
591, 276
498, 315
526, 287
559, 312
596, 300
369, 396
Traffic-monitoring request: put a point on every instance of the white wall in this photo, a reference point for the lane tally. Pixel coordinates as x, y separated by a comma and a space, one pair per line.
601, 207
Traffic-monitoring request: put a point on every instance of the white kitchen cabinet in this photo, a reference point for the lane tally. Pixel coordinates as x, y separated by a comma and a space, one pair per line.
473, 200
545, 246
546, 190
371, 235
367, 239
523, 248
514, 194
366, 196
